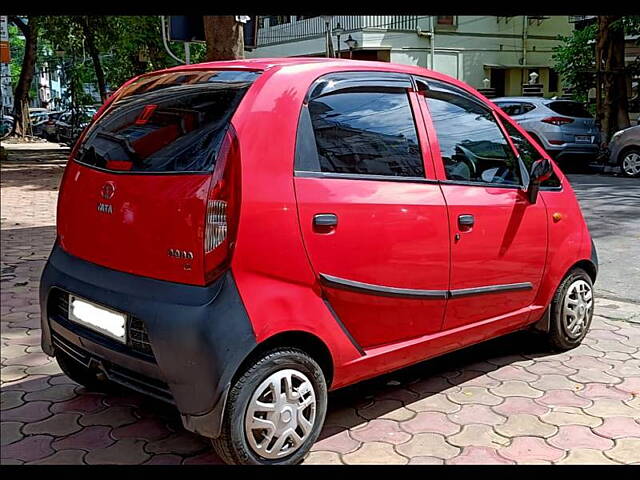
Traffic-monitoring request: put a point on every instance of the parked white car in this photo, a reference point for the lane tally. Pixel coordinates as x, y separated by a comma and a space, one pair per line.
624, 151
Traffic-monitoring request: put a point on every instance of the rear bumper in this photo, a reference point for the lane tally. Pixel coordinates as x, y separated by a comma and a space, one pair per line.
198, 335
580, 152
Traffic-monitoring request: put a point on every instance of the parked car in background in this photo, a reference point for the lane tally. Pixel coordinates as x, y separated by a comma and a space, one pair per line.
6, 125
564, 128
49, 127
66, 129
38, 117
210, 249
624, 151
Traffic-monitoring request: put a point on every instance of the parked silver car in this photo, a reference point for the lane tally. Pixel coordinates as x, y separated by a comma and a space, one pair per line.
564, 128
624, 151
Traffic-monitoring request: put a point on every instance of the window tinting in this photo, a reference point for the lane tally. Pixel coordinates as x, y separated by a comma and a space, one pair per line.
511, 109
570, 109
172, 122
472, 145
366, 132
529, 154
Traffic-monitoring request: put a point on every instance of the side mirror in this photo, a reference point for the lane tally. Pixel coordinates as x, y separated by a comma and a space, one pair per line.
541, 170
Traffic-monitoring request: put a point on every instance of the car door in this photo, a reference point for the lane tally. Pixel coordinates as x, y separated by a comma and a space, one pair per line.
498, 238
372, 215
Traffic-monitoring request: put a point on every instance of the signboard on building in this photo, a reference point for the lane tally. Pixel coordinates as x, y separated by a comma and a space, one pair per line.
5, 55
5, 71
191, 29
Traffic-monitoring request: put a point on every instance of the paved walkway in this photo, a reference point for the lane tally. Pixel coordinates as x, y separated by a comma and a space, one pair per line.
505, 401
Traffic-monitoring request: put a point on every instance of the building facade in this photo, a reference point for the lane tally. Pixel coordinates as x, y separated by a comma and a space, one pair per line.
483, 51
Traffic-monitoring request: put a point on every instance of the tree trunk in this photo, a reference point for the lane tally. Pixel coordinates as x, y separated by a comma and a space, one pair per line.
95, 56
21, 94
224, 38
614, 106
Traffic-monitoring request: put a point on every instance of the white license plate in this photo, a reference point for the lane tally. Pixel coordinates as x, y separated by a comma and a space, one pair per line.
98, 318
583, 138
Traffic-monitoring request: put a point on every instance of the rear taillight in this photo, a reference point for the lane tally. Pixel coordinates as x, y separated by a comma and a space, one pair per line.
216, 229
223, 208
558, 121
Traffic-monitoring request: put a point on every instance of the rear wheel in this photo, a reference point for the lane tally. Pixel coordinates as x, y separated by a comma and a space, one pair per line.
630, 162
571, 311
275, 410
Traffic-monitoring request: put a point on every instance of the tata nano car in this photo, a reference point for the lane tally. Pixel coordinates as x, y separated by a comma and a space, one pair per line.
237, 238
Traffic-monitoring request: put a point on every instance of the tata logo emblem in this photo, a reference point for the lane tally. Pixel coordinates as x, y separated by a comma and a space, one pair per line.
108, 190
183, 254
105, 208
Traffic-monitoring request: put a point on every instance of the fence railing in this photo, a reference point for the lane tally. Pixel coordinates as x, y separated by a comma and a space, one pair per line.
315, 26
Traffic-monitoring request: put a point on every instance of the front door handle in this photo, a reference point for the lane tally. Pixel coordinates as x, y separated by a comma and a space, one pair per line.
325, 220
466, 221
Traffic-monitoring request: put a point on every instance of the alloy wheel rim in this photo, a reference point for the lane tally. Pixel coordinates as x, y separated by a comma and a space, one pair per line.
577, 308
281, 414
631, 163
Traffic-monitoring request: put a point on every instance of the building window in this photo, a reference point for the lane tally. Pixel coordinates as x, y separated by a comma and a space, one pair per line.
446, 20
279, 20
554, 81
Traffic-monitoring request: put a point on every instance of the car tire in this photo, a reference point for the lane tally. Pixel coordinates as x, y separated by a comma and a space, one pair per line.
238, 443
630, 154
571, 311
81, 374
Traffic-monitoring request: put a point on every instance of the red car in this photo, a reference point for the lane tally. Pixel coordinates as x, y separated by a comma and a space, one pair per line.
237, 238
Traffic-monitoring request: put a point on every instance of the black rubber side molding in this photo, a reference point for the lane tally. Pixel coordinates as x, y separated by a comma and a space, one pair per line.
382, 290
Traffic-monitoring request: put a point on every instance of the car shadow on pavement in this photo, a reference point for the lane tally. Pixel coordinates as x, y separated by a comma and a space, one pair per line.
391, 392
31, 176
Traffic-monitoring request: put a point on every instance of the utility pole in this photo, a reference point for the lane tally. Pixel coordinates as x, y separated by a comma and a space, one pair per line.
327, 33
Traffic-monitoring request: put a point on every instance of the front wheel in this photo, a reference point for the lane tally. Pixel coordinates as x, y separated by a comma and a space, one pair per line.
274, 411
630, 162
571, 311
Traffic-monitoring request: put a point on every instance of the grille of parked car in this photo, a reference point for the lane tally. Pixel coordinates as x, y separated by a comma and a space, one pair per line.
137, 336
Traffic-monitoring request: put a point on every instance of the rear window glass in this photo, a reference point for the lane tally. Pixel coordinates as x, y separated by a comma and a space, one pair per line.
172, 122
570, 109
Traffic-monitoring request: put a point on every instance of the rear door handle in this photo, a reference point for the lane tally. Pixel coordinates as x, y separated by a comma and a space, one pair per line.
325, 220
466, 221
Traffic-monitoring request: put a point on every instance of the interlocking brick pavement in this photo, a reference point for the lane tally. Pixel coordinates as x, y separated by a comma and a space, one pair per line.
505, 401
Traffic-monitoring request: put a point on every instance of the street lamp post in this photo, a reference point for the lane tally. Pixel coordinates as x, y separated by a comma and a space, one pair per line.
351, 43
338, 31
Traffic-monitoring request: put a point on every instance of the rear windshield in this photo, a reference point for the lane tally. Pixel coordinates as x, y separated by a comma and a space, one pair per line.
570, 109
172, 122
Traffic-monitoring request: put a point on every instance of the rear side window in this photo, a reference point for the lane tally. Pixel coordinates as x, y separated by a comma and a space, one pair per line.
510, 109
570, 109
472, 146
364, 132
171, 122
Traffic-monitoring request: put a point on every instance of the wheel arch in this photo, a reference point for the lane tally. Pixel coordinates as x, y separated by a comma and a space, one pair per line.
586, 265
626, 150
300, 339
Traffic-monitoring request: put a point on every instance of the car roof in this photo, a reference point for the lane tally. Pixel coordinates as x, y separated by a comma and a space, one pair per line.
521, 99
323, 65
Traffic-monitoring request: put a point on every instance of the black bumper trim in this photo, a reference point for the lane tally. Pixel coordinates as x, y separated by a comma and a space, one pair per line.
199, 335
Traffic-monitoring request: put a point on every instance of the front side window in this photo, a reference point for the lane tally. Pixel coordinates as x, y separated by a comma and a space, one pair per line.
472, 145
366, 132
528, 153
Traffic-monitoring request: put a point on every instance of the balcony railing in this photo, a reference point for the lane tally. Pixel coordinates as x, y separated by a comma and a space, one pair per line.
315, 27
